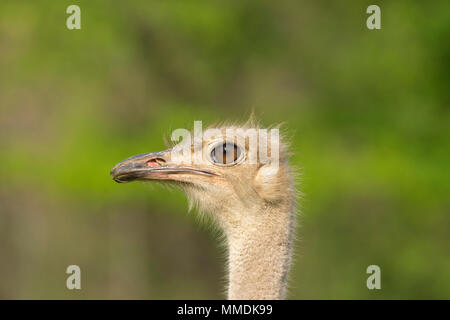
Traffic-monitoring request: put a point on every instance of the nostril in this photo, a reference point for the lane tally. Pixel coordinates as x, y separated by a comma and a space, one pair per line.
156, 162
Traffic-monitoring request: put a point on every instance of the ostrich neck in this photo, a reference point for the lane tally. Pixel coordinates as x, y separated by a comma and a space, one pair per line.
259, 247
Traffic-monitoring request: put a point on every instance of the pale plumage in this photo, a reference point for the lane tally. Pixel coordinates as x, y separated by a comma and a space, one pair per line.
254, 205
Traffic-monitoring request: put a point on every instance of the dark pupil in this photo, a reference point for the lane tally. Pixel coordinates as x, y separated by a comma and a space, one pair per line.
225, 154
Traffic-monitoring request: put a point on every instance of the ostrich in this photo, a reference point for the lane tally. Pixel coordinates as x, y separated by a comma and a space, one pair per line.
253, 206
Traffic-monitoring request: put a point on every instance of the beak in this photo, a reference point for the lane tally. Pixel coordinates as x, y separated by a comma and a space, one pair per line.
152, 166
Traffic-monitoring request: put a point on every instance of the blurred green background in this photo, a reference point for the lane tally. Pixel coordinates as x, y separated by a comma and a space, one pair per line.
368, 112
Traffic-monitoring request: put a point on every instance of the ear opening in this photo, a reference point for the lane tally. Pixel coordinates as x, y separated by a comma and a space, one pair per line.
269, 183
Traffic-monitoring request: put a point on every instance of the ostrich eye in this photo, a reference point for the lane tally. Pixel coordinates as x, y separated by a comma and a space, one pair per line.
226, 153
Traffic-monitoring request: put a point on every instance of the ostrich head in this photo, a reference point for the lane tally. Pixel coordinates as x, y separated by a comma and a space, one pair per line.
241, 176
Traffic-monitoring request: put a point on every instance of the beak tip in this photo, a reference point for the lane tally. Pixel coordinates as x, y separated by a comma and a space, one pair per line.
121, 174
113, 174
